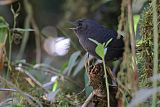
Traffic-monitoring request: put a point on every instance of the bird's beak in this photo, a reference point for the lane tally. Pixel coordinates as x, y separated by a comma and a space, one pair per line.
72, 28
73, 25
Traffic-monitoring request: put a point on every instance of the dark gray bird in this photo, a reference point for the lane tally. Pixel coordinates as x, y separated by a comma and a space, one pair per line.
87, 28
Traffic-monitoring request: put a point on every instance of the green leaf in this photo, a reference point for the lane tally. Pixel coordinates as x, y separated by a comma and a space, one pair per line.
136, 20
80, 65
100, 50
93, 41
3, 25
72, 62
55, 86
3, 31
108, 42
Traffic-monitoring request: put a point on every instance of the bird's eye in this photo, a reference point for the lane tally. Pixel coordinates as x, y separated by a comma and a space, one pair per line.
79, 24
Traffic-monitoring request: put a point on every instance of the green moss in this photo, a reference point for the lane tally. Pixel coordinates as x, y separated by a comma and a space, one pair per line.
145, 45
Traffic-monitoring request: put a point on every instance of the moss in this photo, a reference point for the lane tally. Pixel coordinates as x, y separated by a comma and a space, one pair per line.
145, 45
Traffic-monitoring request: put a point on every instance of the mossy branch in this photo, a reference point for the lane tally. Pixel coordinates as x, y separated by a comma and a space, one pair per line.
155, 50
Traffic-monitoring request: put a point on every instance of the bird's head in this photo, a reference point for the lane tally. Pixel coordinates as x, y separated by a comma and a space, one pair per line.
82, 25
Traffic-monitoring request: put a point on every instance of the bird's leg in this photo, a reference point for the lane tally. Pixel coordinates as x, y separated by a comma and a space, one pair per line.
111, 73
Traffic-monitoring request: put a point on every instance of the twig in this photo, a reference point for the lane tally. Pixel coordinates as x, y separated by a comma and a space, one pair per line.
26, 26
132, 37
155, 50
10, 37
88, 100
110, 73
122, 18
30, 20
34, 80
52, 70
38, 41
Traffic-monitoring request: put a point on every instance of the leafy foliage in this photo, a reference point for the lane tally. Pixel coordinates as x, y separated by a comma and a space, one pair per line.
101, 49
4, 27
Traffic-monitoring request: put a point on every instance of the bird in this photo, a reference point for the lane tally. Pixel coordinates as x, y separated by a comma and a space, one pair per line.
86, 29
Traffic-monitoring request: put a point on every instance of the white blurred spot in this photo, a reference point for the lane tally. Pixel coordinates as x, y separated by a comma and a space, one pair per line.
54, 78
105, 51
50, 83
57, 46
19, 67
6, 2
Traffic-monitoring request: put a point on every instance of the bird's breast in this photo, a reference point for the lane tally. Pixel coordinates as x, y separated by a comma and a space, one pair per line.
88, 45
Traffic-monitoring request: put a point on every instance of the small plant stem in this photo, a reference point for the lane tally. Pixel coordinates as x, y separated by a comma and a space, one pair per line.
10, 36
88, 100
26, 26
106, 81
133, 44
9, 54
155, 50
